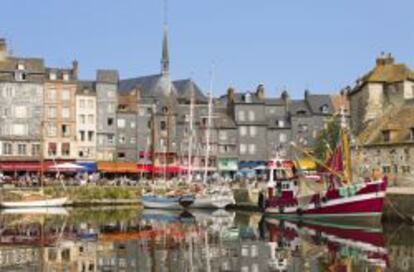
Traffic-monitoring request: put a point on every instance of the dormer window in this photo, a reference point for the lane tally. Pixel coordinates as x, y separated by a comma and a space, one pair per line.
65, 76
20, 75
248, 98
20, 67
386, 135
52, 76
164, 110
280, 123
324, 108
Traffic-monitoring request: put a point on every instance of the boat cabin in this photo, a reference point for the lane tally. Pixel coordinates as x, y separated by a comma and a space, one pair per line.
281, 178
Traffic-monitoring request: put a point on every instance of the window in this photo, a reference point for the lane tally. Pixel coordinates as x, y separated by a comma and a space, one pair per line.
20, 111
51, 112
90, 119
110, 121
111, 139
8, 91
65, 94
110, 108
412, 134
251, 115
52, 76
301, 112
248, 98
121, 155
132, 124
90, 136
121, 123
141, 111
65, 76
51, 130
5, 112
223, 135
132, 140
243, 149
65, 149
122, 138
91, 105
280, 123
82, 135
7, 149
35, 149
252, 148
51, 95
65, 130
82, 103
324, 108
20, 76
19, 129
20, 67
163, 125
386, 135
282, 138
303, 127
51, 150
65, 113
243, 130
82, 118
101, 139
111, 94
240, 115
253, 131
21, 149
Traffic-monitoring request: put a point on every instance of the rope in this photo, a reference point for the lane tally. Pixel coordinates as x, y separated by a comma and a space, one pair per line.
402, 216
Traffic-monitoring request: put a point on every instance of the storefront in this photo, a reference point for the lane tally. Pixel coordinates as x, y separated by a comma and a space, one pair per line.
228, 167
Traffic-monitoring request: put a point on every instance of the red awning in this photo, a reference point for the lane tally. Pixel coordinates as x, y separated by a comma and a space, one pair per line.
23, 166
148, 168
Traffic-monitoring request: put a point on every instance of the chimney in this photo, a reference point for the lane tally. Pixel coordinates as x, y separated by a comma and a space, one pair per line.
307, 93
260, 92
285, 97
385, 59
3, 49
230, 95
75, 69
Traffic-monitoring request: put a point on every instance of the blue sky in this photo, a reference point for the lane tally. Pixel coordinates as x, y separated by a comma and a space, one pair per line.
322, 45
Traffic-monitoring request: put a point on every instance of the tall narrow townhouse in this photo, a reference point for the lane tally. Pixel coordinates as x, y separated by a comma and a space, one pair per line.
107, 102
86, 121
21, 96
60, 118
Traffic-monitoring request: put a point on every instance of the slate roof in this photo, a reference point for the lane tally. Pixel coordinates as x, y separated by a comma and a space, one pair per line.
32, 65
107, 76
184, 88
316, 101
274, 101
299, 105
85, 87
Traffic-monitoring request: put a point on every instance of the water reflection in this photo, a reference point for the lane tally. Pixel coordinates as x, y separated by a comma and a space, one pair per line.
129, 239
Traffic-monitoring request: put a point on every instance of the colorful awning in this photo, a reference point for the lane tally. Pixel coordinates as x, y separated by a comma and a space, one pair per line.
117, 167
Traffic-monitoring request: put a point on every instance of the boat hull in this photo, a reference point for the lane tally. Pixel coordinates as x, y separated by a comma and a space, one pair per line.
53, 202
212, 202
171, 203
363, 209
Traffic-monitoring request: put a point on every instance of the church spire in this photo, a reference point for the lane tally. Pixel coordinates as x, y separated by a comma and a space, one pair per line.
165, 58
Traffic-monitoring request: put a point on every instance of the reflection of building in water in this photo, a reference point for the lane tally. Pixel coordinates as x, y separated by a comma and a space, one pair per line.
19, 258
71, 256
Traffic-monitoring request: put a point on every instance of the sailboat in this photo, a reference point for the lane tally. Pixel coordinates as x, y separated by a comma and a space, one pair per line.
339, 197
213, 197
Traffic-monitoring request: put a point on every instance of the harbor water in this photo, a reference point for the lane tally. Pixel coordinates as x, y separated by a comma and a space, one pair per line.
134, 239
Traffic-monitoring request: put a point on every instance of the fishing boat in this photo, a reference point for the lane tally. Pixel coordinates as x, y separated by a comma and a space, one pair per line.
42, 202
172, 202
333, 197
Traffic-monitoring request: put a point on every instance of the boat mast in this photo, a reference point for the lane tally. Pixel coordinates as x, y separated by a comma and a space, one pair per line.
210, 105
190, 144
153, 143
346, 147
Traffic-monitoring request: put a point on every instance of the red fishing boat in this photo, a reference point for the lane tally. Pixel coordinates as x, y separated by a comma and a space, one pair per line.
332, 194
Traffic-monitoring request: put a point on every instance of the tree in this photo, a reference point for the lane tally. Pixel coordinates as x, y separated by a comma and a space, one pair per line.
327, 139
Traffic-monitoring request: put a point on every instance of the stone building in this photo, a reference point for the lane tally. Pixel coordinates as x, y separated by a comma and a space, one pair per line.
381, 112
21, 107
60, 118
126, 146
86, 121
376, 93
107, 102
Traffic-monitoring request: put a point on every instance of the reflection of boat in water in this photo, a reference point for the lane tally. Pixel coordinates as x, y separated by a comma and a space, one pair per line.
36, 211
214, 198
339, 242
166, 216
166, 202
